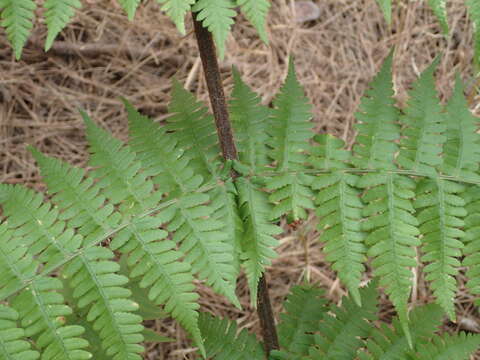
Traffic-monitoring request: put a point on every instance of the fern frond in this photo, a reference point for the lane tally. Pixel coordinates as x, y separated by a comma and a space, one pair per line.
256, 12
223, 343
176, 10
203, 240
339, 210
441, 228
439, 8
340, 332
194, 130
290, 130
249, 120
304, 308
16, 17
471, 239
217, 16
473, 7
58, 14
258, 241
459, 347
94, 275
393, 344
461, 152
130, 7
13, 345
423, 126
378, 129
392, 234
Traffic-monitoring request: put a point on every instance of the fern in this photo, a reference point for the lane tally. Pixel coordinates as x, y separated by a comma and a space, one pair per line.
217, 17
256, 12
57, 15
130, 7
459, 347
386, 7
16, 16
177, 9
439, 8
474, 12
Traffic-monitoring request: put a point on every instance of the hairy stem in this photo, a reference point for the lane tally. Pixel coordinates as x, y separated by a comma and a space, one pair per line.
211, 70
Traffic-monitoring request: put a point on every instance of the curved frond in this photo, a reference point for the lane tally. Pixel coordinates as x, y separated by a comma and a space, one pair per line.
13, 345
375, 146
304, 308
17, 19
441, 210
217, 16
341, 332
223, 343
176, 10
130, 7
423, 126
391, 342
392, 234
58, 14
439, 8
194, 130
290, 130
256, 12
249, 120
339, 209
258, 241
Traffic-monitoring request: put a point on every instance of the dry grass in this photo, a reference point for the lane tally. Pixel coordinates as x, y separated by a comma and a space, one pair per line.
102, 56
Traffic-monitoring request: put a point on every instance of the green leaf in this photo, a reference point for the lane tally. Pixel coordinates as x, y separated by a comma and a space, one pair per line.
473, 7
459, 347
256, 12
58, 14
152, 336
217, 16
439, 8
16, 17
176, 10
386, 7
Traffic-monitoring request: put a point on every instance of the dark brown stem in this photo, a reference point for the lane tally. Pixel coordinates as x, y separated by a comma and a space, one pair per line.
211, 70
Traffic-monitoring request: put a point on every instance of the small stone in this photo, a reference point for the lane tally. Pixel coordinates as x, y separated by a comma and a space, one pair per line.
306, 11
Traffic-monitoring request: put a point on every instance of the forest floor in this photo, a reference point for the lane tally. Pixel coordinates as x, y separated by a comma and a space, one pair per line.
101, 57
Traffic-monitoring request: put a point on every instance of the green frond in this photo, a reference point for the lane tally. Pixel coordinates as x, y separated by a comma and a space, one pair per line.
423, 126
473, 7
130, 7
58, 14
392, 234
341, 332
13, 345
391, 342
155, 261
290, 130
375, 146
339, 210
202, 239
118, 169
217, 16
386, 7
256, 12
459, 347
176, 10
223, 343
441, 210
17, 19
249, 120
472, 240
194, 129
461, 152
258, 241
304, 308
439, 8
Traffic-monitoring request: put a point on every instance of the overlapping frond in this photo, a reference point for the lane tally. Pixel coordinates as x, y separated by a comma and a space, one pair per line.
257, 239
13, 345
217, 17
290, 130
224, 342
58, 14
459, 347
304, 308
340, 333
256, 12
339, 209
375, 145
